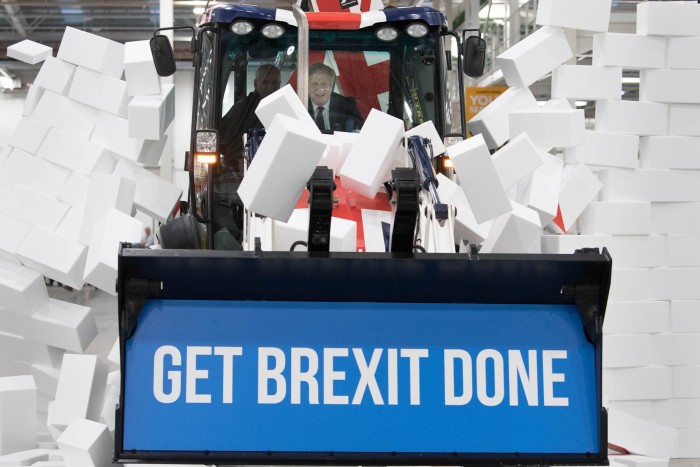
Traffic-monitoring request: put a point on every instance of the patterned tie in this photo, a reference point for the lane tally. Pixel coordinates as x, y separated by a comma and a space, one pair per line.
319, 118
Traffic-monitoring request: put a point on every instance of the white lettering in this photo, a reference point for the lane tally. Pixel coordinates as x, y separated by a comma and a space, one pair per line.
193, 374
549, 378
497, 377
265, 374
309, 376
228, 353
367, 379
173, 375
330, 376
393, 377
451, 355
517, 372
414, 356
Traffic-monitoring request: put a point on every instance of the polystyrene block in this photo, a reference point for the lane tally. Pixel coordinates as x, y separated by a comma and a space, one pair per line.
154, 196
516, 160
343, 232
81, 388
540, 190
586, 82
676, 283
629, 251
668, 19
23, 290
105, 191
150, 116
686, 382
372, 154
347, 140
632, 117
650, 185
676, 349
646, 317
631, 460
428, 130
579, 186
74, 191
28, 135
670, 86
492, 121
111, 400
60, 112
86, 443
11, 235
29, 51
55, 75
605, 149
513, 232
616, 217
113, 356
685, 316
100, 91
64, 325
677, 413
466, 226
534, 56
681, 54
92, 52
678, 218
669, 152
139, 69
631, 285
629, 51
21, 349
589, 15
688, 446
479, 179
110, 230
20, 458
112, 132
33, 172
284, 101
549, 128
33, 207
46, 379
54, 256
372, 227
684, 120
285, 161
627, 350
34, 95
683, 250
332, 155
4, 154
647, 383
74, 153
17, 414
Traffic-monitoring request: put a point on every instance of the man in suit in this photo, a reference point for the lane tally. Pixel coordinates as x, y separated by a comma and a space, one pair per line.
331, 111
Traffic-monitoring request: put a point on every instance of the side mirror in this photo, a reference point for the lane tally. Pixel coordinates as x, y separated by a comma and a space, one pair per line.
163, 56
474, 53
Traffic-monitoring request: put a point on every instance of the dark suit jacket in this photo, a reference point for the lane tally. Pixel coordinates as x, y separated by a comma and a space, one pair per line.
237, 121
343, 114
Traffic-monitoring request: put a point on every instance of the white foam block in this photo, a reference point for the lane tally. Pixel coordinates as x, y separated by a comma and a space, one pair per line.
684, 120
466, 226
74, 191
685, 316
60, 112
139, 69
33, 207
589, 15
64, 325
100, 91
686, 382
516, 160
534, 56
153, 196
627, 350
81, 388
616, 218
110, 230
632, 117
33, 172
540, 191
677, 413
347, 140
479, 179
29, 51
86, 443
111, 400
112, 132
648, 317
671, 86
372, 221
284, 101
629, 251
646, 383
343, 232
683, 250
92, 52
630, 51
34, 94
371, 157
428, 130
55, 75
675, 218
677, 349
28, 135
105, 191
579, 186
46, 379
54, 256
680, 53
11, 235
283, 164
605, 149
514, 232
631, 285
676, 283
632, 460
20, 458
21, 349
150, 115
586, 82
688, 447
23, 290
549, 128
332, 155
669, 152
668, 19
75, 153
650, 185
113, 358
492, 121
17, 414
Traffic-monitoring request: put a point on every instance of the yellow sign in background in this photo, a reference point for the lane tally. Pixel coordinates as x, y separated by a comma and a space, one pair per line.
478, 98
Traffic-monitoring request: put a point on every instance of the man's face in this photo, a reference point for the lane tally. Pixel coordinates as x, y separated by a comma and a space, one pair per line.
268, 82
320, 87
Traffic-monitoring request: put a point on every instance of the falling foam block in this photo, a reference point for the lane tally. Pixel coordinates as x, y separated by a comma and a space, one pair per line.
34, 94
21, 458
111, 400
18, 414
372, 154
630, 51
112, 132
284, 101
92, 52
20, 349
479, 179
86, 443
540, 191
640, 436
105, 191
492, 121
149, 116
99, 91
347, 140
669, 152
154, 196
466, 226
113, 356
55, 75
33, 207
668, 19
549, 128
60, 112
34, 172
23, 290
579, 186
81, 388
586, 82
428, 130
681, 53
29, 51
588, 15
139, 69
282, 166
332, 155
11, 236
605, 149
684, 120
54, 256
28, 135
534, 56
343, 232
110, 230
632, 117
513, 232
616, 218
516, 160
74, 153
75, 190
64, 325
670, 86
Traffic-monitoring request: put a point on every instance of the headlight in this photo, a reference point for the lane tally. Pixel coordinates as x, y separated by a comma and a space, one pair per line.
387, 33
206, 146
417, 29
272, 30
241, 28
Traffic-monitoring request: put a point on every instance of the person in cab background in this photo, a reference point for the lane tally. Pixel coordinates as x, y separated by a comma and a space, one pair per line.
330, 110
